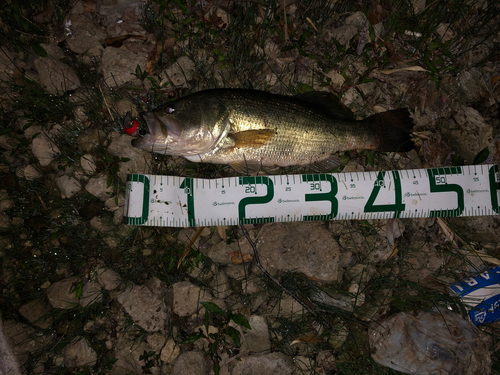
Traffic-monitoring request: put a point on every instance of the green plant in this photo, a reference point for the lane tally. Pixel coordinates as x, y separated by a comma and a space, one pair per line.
219, 342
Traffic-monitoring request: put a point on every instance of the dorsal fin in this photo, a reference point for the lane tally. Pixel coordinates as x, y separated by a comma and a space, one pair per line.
328, 103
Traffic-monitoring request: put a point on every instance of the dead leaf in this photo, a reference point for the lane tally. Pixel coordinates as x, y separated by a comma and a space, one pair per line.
236, 257
495, 80
221, 229
408, 68
310, 337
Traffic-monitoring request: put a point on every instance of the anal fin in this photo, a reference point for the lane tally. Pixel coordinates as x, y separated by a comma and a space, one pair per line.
247, 167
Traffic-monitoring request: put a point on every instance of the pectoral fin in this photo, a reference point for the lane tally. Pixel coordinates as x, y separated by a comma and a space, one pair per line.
252, 138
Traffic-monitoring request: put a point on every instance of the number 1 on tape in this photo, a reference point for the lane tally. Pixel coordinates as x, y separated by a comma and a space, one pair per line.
189, 202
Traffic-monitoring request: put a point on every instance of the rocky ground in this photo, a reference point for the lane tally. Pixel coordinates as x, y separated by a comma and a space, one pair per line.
83, 293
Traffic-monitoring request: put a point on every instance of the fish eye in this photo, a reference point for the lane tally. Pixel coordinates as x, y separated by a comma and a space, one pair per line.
170, 108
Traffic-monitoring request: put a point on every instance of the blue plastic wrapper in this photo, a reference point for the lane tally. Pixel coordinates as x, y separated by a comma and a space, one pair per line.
481, 294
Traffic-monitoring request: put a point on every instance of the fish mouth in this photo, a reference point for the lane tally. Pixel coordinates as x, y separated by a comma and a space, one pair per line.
149, 119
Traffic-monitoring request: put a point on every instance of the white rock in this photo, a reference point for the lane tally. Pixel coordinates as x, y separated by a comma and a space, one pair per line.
87, 163
108, 278
98, 187
60, 294
258, 337
44, 149
118, 66
79, 353
30, 173
55, 76
69, 186
143, 306
5, 202
170, 351
186, 298
181, 71
91, 293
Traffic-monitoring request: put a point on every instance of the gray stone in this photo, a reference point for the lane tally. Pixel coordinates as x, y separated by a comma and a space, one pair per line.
326, 360
139, 160
69, 186
60, 295
5, 202
170, 351
92, 138
55, 76
98, 187
118, 66
9, 364
304, 247
79, 354
269, 364
83, 33
157, 341
258, 337
91, 293
87, 163
29, 173
53, 51
108, 278
144, 307
44, 149
127, 353
34, 311
469, 133
4, 220
187, 298
190, 363
220, 285
181, 72
22, 339
287, 307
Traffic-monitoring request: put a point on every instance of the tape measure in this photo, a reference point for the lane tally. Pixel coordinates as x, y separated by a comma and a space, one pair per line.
190, 202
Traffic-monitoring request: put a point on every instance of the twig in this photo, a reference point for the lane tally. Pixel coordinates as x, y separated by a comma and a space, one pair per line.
305, 304
286, 22
188, 247
105, 102
312, 24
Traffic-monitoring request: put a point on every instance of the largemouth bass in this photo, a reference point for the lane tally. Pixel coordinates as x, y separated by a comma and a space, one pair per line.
251, 130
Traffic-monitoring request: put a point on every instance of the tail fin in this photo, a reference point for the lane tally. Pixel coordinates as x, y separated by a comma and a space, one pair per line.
394, 130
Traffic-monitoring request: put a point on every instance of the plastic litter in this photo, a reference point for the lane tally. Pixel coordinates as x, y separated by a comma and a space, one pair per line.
439, 342
481, 294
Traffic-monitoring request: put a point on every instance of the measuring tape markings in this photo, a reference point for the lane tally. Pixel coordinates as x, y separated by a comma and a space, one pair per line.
184, 201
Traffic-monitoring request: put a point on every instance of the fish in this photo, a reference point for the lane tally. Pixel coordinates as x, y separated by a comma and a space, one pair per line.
251, 130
